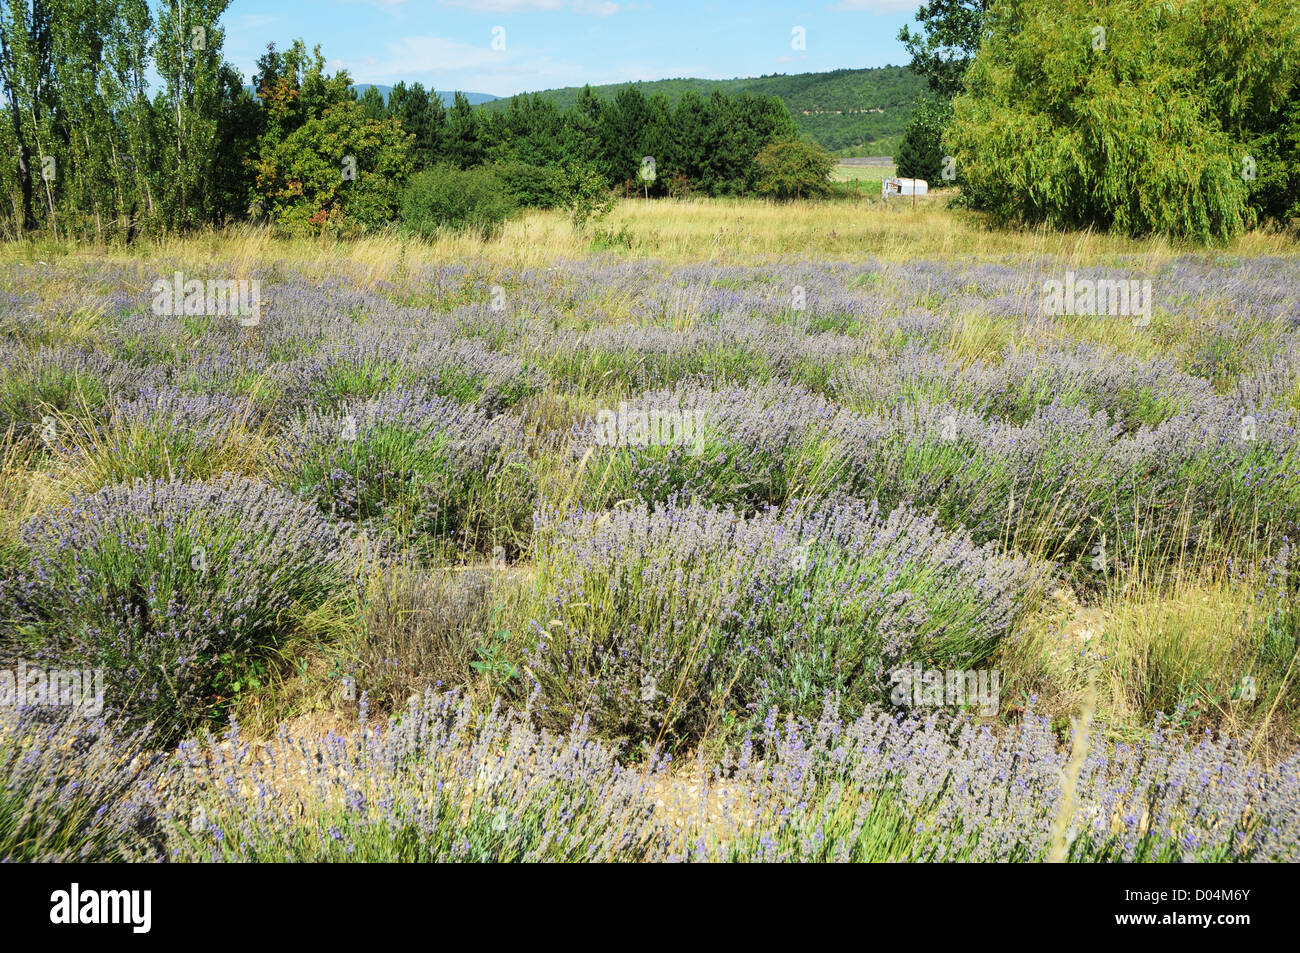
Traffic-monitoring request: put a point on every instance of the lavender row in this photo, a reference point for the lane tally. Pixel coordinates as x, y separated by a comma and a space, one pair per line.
447, 782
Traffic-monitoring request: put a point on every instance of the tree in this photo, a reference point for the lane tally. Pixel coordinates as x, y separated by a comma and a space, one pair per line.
691, 136
423, 115
1276, 153
790, 169
737, 128
372, 104
1123, 115
920, 155
623, 124
527, 131
293, 87
187, 54
949, 37
659, 141
586, 193
582, 124
237, 144
97, 149
25, 53
464, 134
339, 172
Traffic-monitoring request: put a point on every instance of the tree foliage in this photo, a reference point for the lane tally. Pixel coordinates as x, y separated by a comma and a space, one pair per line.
586, 194
847, 110
790, 169
118, 120
1126, 115
947, 40
446, 197
121, 117
337, 172
920, 155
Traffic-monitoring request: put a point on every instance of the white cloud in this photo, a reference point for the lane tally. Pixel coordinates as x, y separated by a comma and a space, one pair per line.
423, 55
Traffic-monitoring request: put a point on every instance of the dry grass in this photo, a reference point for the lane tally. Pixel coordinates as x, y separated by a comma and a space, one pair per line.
421, 631
24, 491
1070, 781
1182, 647
721, 231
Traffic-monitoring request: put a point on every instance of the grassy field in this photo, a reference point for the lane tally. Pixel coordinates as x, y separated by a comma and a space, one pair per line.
716, 231
868, 176
700, 483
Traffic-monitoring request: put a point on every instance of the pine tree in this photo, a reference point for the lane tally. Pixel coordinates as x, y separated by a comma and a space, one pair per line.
920, 154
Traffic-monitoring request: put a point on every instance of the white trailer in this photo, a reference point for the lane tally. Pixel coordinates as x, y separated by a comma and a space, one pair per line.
913, 187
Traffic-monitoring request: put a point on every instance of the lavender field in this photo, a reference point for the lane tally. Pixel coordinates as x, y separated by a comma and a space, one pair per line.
616, 558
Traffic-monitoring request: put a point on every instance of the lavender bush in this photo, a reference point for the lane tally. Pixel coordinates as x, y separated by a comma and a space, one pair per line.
51, 381
447, 783
371, 360
893, 456
75, 790
756, 445
165, 433
670, 619
416, 465
174, 588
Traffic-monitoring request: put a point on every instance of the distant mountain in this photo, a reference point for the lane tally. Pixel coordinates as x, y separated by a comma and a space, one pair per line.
475, 99
846, 111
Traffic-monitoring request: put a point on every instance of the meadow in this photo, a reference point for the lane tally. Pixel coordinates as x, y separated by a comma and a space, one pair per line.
370, 580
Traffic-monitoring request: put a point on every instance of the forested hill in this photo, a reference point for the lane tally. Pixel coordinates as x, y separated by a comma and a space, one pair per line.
850, 111
445, 95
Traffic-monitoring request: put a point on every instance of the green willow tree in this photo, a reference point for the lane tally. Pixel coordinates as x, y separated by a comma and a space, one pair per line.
1124, 115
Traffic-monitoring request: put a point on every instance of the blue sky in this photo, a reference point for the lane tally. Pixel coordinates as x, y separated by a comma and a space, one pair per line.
448, 44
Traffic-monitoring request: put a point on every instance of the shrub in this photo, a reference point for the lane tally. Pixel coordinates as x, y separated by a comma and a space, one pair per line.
444, 197
421, 631
743, 446
442, 781
175, 589
790, 169
531, 186
447, 782
586, 194
73, 790
167, 434
682, 617
51, 382
301, 178
422, 467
